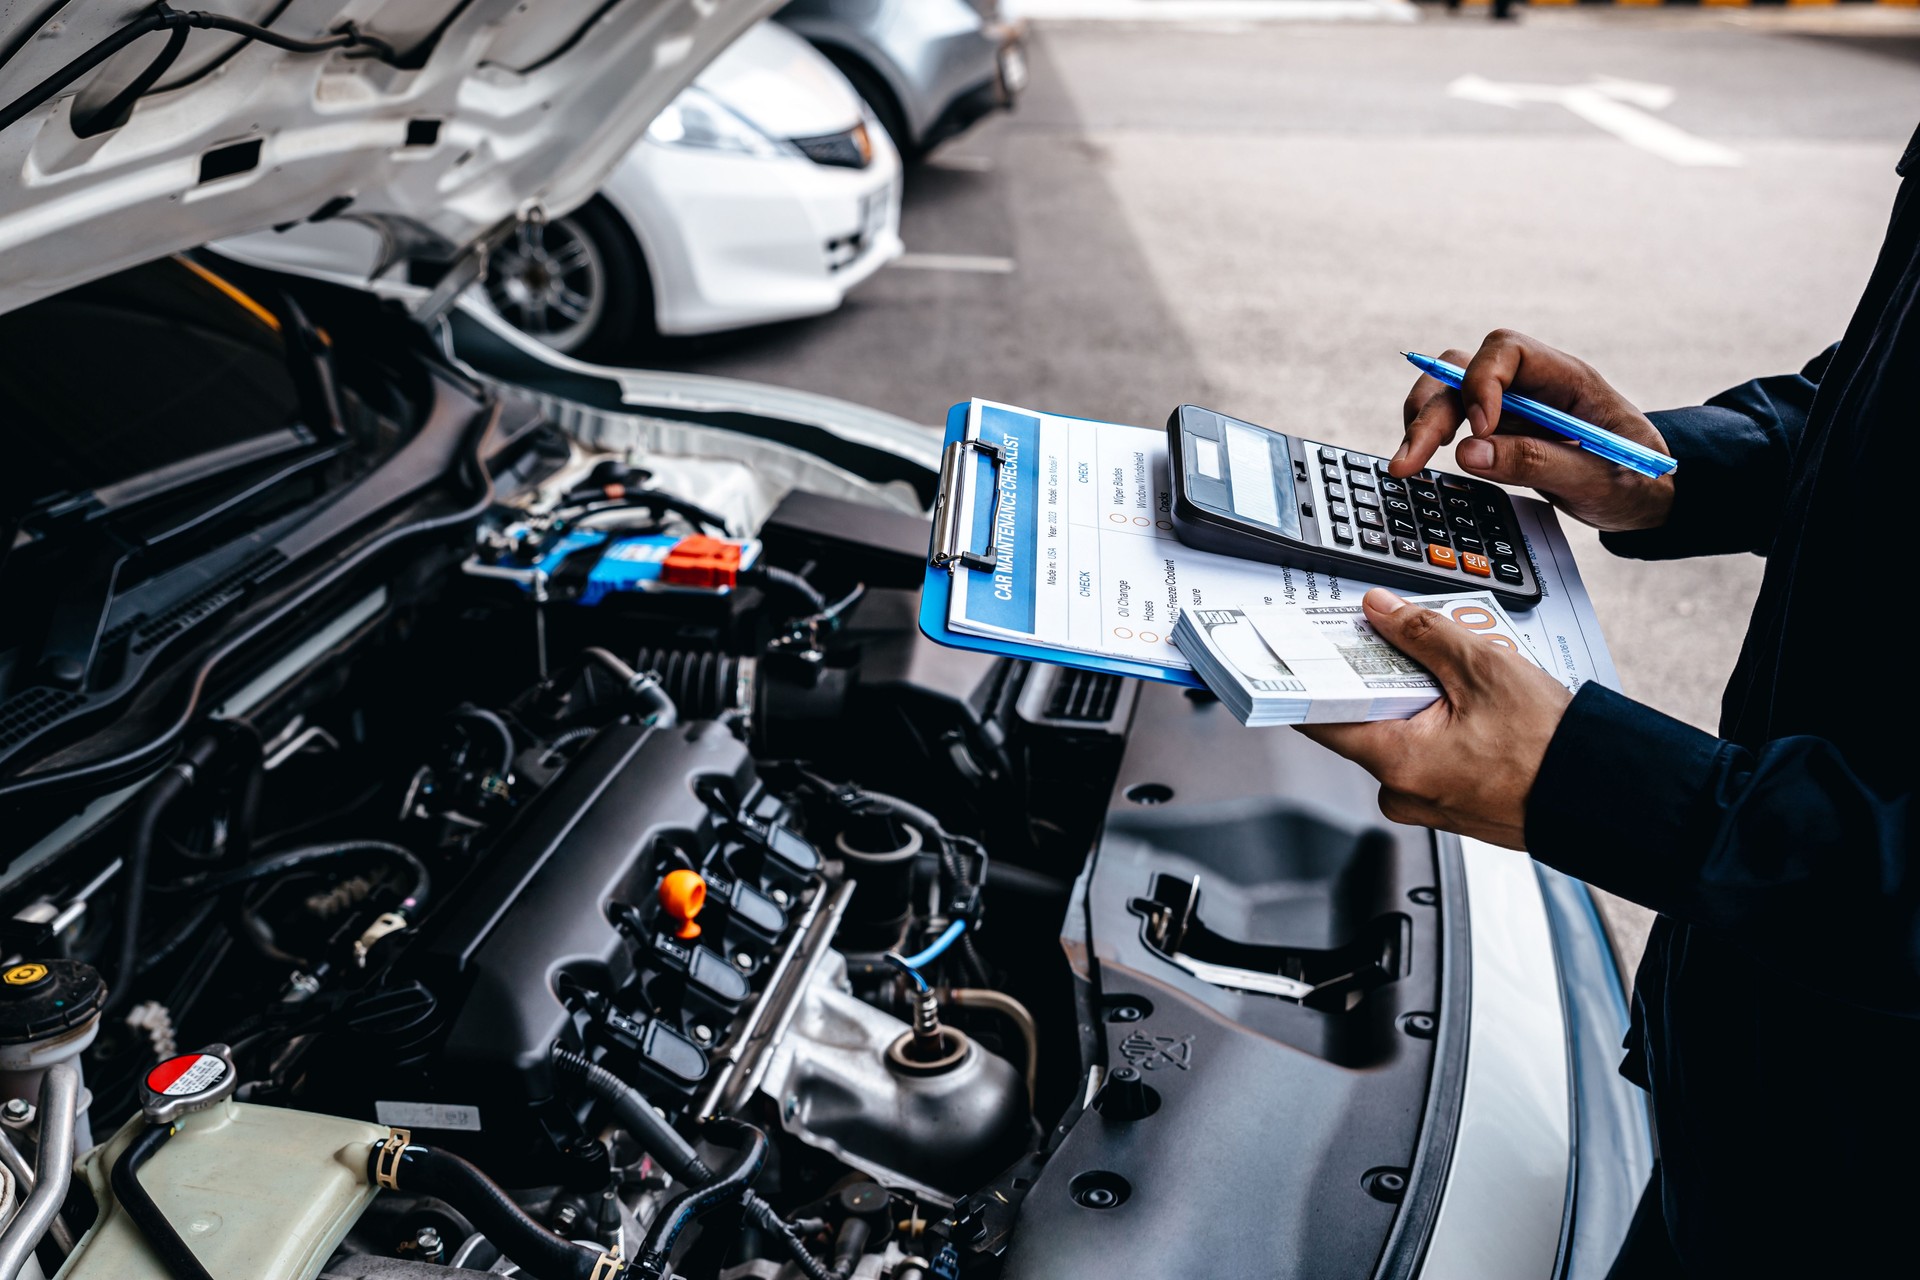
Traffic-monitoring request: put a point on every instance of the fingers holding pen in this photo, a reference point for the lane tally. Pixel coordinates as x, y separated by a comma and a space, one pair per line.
1432, 415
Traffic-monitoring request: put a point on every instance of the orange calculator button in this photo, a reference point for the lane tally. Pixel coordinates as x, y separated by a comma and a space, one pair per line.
1476, 564
1442, 556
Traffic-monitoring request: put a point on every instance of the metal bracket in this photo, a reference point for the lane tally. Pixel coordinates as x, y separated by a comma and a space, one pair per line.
606, 1267
949, 529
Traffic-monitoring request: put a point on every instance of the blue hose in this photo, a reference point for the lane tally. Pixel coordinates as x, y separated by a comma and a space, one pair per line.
934, 949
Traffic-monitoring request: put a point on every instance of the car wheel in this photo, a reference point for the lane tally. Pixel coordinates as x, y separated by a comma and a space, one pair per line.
576, 283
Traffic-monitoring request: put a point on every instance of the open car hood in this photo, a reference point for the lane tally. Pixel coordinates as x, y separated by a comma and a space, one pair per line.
450, 121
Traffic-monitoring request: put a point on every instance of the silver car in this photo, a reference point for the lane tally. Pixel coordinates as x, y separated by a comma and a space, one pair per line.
928, 68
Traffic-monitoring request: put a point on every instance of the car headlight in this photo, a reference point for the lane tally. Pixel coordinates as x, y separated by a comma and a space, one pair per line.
698, 119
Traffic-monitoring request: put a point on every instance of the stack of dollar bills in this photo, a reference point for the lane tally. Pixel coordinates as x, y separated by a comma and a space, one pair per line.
1323, 664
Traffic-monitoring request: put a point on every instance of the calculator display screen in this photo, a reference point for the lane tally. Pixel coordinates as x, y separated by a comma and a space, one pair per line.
1258, 473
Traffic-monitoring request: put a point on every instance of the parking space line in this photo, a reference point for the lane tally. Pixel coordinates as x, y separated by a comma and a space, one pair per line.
981, 264
960, 163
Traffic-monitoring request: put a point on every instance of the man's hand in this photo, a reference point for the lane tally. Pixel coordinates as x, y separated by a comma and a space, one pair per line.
1467, 762
1592, 491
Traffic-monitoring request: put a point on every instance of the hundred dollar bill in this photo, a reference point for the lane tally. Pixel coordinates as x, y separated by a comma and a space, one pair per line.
1322, 663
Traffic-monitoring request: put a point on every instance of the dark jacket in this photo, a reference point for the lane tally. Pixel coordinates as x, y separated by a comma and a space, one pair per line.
1777, 1011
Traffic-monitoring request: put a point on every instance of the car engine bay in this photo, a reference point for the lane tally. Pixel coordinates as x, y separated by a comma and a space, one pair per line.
583, 885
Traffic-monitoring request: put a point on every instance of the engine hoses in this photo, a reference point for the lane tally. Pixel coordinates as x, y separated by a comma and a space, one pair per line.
146, 1215
645, 1125
728, 1187
676, 1155
401, 1166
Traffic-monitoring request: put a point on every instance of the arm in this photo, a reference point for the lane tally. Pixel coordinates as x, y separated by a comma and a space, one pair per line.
1786, 850
1735, 452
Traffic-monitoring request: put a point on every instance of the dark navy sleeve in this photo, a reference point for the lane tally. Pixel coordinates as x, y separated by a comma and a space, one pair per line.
1786, 850
1734, 453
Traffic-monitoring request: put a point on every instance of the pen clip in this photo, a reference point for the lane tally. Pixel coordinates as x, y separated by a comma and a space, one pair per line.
948, 528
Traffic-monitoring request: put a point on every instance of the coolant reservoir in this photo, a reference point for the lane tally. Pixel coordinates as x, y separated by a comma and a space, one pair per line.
254, 1191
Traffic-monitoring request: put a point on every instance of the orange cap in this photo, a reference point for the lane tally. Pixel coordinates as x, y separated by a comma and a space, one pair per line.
682, 894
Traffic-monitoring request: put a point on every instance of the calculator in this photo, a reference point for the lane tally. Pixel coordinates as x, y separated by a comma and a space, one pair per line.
1259, 494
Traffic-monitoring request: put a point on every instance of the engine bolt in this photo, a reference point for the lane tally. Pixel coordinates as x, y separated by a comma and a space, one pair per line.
743, 962
702, 1032
427, 1240
781, 897
17, 1111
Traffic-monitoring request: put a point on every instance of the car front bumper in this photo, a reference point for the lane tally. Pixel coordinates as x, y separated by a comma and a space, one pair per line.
732, 241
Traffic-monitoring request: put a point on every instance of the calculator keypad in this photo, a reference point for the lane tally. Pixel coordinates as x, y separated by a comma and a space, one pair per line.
1443, 522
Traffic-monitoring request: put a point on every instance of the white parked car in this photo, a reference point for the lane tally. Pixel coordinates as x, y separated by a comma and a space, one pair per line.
763, 192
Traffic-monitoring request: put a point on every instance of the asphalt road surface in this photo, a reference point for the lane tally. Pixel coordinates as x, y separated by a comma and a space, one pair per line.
1259, 216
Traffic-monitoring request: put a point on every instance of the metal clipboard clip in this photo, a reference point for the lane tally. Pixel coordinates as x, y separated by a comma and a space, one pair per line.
949, 529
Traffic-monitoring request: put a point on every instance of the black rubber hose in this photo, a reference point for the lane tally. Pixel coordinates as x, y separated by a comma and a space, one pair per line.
674, 1153
480, 715
308, 856
646, 1126
695, 1202
534, 1249
154, 802
146, 1215
793, 583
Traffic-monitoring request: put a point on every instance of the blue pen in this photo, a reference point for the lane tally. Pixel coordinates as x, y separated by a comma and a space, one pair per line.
1596, 440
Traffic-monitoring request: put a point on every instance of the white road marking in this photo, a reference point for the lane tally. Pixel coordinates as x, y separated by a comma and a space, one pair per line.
1213, 10
1608, 102
980, 264
959, 163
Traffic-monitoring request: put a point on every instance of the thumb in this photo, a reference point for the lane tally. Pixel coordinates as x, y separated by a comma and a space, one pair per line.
1531, 462
1437, 643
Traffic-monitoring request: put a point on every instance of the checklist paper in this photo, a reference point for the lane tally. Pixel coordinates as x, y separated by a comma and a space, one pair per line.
1085, 561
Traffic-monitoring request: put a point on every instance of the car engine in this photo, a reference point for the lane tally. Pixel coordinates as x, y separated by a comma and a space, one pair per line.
601, 888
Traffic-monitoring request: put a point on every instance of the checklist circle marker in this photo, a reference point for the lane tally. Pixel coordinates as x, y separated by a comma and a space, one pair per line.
1123, 633
1147, 637
1142, 521
1117, 518
1163, 524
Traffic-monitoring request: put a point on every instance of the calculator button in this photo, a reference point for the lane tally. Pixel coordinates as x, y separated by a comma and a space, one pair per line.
1368, 519
1507, 572
1401, 528
1455, 482
1489, 508
1502, 549
1397, 507
1360, 480
1465, 524
1441, 557
1382, 465
1393, 488
1336, 492
1330, 455
1435, 533
1425, 493
1332, 473
1342, 534
1364, 461
1476, 565
1464, 543
1362, 498
1373, 540
1339, 511
1433, 515
1459, 505
1406, 548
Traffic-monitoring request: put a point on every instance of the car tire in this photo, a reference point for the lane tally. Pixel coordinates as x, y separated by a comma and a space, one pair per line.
578, 284
873, 91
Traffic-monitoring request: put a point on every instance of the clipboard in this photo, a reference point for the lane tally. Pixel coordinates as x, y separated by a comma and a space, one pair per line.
947, 556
